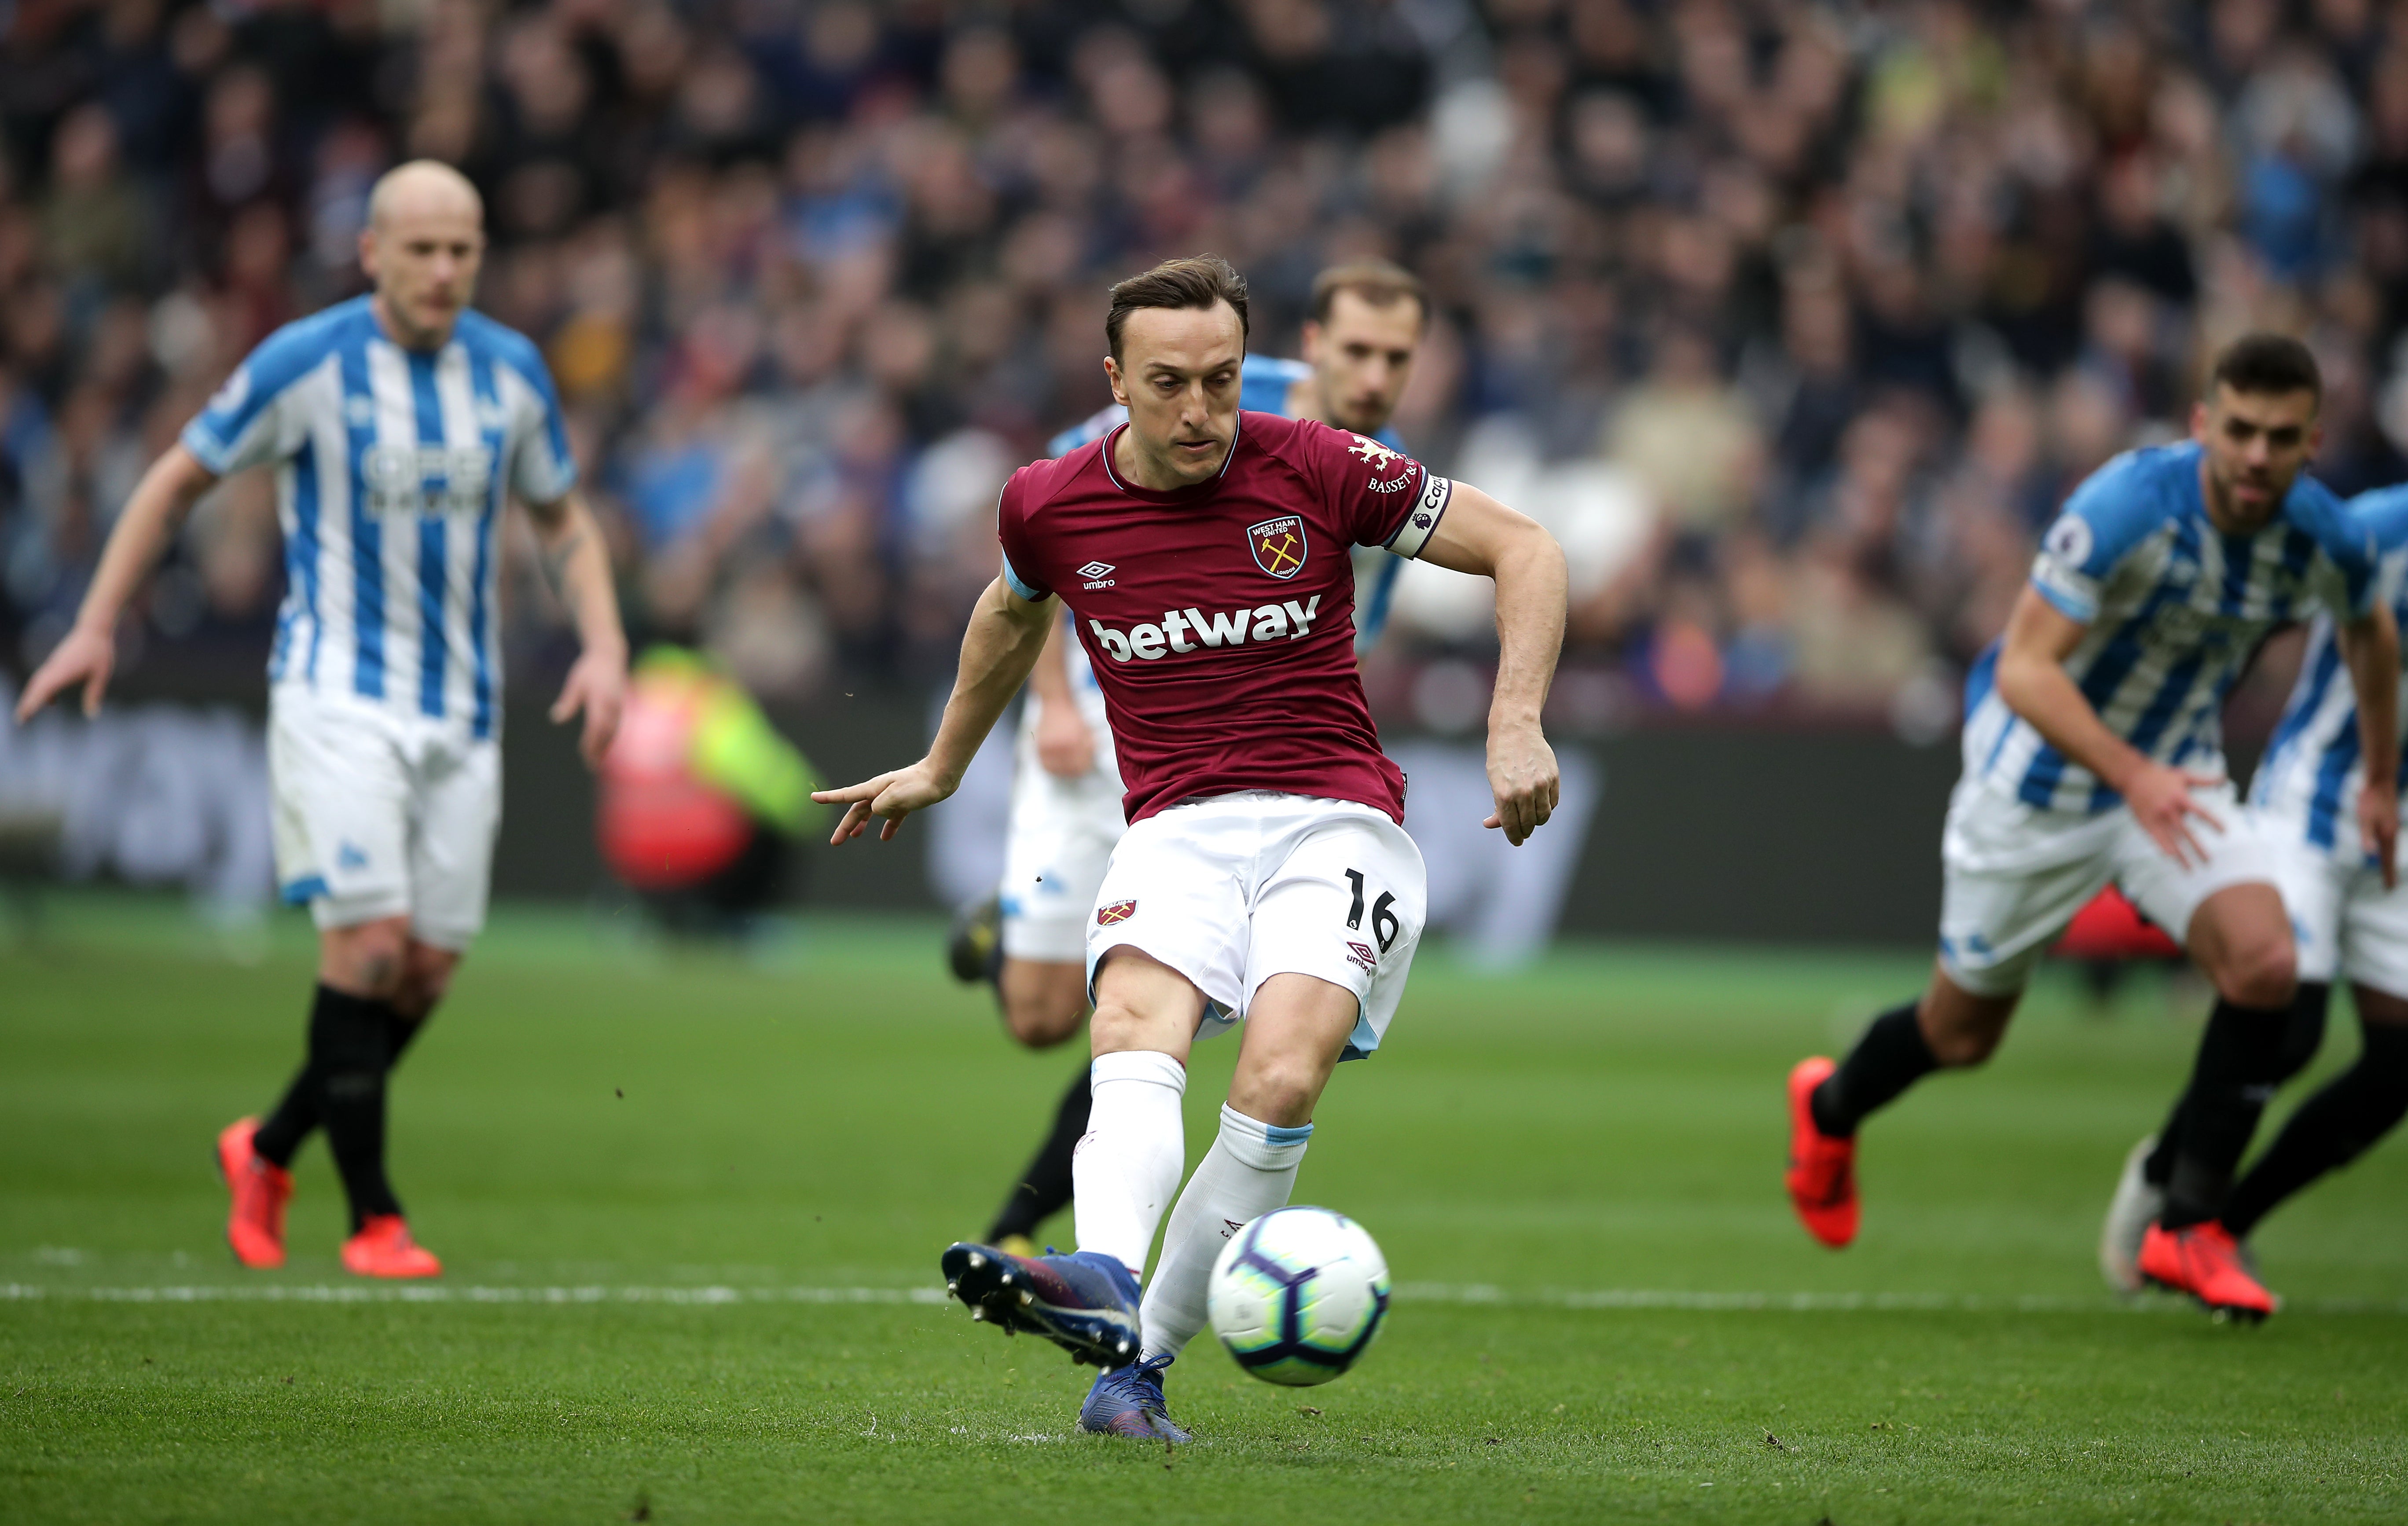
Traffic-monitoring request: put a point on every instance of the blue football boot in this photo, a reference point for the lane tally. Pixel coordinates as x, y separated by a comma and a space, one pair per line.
1127, 1402
1084, 1303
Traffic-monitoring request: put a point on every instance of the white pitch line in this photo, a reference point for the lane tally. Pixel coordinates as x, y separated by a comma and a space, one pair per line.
1475, 1294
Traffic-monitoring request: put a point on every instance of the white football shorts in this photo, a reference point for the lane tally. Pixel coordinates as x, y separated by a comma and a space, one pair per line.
1060, 838
2345, 923
382, 813
2014, 875
1232, 889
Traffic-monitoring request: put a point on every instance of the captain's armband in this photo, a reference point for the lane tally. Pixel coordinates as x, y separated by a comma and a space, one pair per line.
1421, 520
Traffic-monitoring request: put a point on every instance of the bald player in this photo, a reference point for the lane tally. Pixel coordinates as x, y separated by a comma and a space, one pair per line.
396, 424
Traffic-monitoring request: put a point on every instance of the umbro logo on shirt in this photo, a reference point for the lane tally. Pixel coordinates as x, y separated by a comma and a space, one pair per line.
1097, 574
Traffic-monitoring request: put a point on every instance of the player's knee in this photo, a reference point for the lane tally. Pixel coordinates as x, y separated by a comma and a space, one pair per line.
425, 977
1043, 1000
1281, 1090
1041, 1020
1117, 1025
2261, 972
369, 960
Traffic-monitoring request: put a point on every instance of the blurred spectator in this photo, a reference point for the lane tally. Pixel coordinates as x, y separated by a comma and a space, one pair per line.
1795, 321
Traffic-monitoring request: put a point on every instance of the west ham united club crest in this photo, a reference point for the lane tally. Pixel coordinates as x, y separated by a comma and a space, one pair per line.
1119, 911
1278, 546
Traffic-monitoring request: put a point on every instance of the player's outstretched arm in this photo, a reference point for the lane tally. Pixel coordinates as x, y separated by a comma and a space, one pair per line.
1006, 633
1479, 535
579, 567
2033, 681
89, 650
1066, 746
2371, 646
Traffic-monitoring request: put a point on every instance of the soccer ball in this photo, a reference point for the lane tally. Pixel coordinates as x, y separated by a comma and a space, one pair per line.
1297, 1295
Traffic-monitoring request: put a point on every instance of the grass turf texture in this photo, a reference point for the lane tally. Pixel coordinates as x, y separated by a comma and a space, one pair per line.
1574, 1172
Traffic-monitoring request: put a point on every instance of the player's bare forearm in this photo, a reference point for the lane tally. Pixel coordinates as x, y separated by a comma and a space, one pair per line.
1050, 679
1065, 747
2372, 647
159, 503
2033, 682
1005, 635
1482, 536
578, 565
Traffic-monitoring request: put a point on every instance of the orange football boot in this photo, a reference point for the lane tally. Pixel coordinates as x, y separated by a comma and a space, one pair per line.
2205, 1261
260, 1189
1822, 1169
384, 1248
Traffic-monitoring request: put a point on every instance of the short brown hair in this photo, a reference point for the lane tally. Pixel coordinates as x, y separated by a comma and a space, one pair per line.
1200, 281
1379, 282
2267, 363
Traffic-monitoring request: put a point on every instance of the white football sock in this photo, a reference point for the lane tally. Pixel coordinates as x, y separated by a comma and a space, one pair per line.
1249, 1171
1127, 1164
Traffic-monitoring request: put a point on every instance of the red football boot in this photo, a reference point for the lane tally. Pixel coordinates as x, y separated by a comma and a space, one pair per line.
1822, 1169
2205, 1261
384, 1248
259, 1190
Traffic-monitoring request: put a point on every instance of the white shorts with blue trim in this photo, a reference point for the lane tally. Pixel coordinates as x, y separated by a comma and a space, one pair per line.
1060, 838
1233, 890
380, 813
2345, 923
2014, 874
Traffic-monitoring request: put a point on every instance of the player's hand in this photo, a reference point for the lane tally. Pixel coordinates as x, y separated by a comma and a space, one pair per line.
894, 796
1522, 775
2378, 828
598, 685
2161, 802
1066, 745
84, 656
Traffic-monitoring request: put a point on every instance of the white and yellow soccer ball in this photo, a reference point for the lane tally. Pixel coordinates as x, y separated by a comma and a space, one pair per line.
1298, 1294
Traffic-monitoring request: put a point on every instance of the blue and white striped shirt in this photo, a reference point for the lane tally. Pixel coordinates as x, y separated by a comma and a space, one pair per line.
2310, 777
391, 467
2174, 608
1263, 385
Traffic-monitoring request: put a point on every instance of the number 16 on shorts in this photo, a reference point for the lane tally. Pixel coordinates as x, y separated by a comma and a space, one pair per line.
1384, 923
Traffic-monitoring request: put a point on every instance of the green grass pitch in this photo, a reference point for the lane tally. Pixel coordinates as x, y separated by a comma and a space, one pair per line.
691, 1207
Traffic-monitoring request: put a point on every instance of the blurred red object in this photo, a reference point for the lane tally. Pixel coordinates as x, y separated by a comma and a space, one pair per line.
661, 828
2111, 927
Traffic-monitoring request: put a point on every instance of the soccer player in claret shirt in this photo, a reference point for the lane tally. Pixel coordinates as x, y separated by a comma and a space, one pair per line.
2093, 752
2349, 917
399, 424
1029, 940
1266, 877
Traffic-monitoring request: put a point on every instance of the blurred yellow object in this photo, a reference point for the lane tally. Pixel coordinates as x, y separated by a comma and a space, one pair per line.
734, 746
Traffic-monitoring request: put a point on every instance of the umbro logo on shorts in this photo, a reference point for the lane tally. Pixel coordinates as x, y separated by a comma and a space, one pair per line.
1119, 911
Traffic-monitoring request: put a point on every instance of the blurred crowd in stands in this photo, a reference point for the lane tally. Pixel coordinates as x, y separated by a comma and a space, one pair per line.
1795, 320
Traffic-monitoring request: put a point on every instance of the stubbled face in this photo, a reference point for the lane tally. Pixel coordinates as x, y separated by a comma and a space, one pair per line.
1177, 374
2255, 444
1362, 358
423, 256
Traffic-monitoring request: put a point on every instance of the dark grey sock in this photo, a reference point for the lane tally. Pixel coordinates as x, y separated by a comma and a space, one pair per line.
2331, 1129
1890, 1058
2240, 1057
